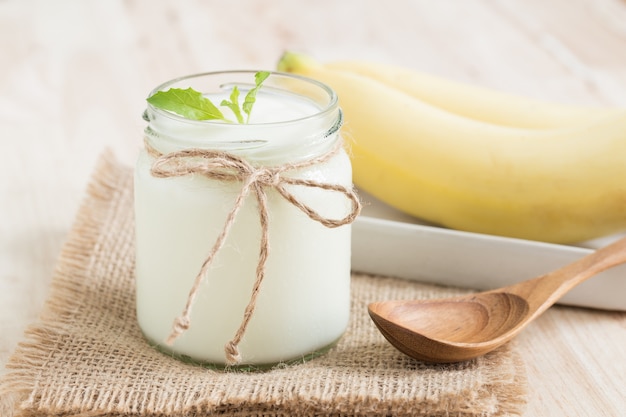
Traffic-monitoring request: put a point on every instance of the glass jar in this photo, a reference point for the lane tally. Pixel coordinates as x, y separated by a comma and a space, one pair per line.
300, 304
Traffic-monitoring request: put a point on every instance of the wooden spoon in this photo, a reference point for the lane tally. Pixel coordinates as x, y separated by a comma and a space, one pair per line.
461, 328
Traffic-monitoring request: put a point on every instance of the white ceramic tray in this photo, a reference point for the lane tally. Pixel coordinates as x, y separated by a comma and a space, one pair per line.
390, 243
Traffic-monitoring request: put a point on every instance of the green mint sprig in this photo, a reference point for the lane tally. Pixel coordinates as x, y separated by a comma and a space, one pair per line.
250, 99
233, 104
191, 104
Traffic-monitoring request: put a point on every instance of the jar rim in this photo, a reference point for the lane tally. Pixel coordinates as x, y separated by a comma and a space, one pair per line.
330, 107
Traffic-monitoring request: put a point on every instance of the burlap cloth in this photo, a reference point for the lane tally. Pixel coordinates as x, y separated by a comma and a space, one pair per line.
87, 357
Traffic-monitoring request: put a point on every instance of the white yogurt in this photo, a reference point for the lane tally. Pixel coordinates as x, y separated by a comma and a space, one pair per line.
304, 302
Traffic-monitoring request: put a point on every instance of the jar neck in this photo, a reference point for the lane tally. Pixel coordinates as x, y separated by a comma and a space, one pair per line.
260, 145
296, 119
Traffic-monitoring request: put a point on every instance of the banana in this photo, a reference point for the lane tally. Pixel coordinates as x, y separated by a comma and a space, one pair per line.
561, 185
468, 100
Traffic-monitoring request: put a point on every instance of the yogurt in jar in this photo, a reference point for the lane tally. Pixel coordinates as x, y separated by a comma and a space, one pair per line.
303, 302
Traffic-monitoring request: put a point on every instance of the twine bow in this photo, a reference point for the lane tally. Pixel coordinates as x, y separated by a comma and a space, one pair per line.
222, 166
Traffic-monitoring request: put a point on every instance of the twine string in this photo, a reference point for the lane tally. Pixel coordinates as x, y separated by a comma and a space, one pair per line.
223, 166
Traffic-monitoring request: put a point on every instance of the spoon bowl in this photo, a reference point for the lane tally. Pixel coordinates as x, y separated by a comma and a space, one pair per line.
465, 327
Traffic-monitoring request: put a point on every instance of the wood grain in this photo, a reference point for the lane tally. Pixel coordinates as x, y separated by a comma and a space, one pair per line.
464, 327
74, 75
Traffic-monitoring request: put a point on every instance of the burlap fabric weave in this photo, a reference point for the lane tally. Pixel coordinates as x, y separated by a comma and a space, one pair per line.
86, 355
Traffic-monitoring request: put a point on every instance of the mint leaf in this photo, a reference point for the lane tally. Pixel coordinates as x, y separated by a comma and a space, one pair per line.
187, 103
250, 99
192, 105
233, 104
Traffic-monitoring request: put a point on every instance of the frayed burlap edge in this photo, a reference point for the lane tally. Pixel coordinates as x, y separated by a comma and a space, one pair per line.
64, 295
504, 397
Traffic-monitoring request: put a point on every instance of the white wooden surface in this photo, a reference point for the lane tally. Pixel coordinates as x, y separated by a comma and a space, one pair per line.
74, 75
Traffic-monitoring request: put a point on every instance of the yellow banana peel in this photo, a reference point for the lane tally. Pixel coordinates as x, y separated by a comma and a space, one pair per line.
564, 183
472, 101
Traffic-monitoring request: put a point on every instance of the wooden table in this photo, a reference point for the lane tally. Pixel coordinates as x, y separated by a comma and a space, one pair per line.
74, 76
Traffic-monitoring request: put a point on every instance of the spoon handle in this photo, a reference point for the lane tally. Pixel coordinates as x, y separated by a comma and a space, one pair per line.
545, 290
